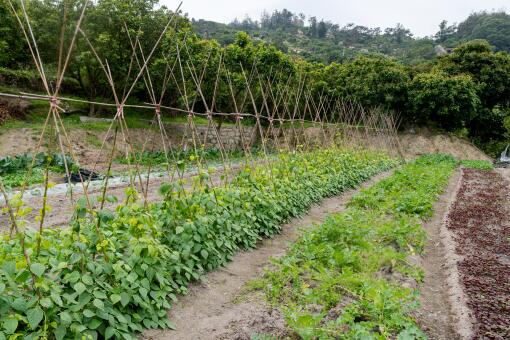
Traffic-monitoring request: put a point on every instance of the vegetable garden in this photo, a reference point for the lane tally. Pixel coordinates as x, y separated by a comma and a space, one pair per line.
125, 253
115, 269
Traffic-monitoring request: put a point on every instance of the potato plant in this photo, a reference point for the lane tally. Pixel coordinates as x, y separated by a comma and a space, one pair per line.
115, 274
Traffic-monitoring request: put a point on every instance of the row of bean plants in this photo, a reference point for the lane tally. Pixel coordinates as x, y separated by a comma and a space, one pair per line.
118, 273
351, 277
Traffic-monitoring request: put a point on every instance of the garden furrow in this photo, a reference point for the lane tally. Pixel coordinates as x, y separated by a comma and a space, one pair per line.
215, 308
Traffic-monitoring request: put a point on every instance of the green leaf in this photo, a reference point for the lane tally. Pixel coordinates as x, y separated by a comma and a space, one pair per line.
10, 324
110, 331
105, 215
45, 302
34, 316
99, 294
95, 323
88, 313
79, 288
179, 230
57, 299
143, 292
98, 304
124, 298
38, 269
204, 253
73, 277
66, 317
115, 298
60, 332
87, 279
9, 268
2, 287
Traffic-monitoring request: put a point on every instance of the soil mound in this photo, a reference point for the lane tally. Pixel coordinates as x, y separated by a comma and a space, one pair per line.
415, 143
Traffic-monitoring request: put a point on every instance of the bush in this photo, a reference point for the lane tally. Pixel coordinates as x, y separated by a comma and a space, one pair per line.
372, 81
451, 101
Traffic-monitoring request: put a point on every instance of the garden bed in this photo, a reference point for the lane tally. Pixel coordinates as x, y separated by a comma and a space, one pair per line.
479, 222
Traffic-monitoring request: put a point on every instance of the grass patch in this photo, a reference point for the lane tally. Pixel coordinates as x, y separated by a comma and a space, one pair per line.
477, 164
349, 278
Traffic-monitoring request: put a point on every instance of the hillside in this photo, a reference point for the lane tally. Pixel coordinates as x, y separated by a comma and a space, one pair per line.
323, 41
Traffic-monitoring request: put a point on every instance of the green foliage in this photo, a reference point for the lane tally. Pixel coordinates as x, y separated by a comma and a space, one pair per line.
18, 163
122, 279
451, 101
14, 171
477, 164
349, 278
493, 27
372, 81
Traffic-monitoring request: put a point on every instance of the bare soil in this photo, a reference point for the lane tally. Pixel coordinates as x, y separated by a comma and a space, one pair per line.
481, 228
87, 143
415, 143
219, 307
434, 315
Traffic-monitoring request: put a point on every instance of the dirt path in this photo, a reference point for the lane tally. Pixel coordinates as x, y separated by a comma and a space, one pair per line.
479, 223
434, 315
211, 310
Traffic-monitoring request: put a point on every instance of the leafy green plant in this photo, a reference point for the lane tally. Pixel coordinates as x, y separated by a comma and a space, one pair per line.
112, 275
15, 170
477, 164
350, 278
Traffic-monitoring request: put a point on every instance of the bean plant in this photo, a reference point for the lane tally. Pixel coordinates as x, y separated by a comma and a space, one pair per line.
111, 274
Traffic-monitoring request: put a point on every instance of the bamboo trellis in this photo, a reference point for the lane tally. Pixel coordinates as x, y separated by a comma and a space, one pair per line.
287, 116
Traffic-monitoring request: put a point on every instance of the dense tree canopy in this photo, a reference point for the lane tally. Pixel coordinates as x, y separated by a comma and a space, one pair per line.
469, 88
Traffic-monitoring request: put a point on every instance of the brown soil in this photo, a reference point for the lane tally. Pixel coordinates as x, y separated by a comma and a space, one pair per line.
86, 144
212, 309
434, 315
12, 108
479, 222
424, 141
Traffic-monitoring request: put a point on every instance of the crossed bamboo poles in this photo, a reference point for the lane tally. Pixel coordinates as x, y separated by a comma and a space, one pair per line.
289, 115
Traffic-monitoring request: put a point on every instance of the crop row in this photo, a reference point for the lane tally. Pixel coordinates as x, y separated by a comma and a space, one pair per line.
350, 278
116, 274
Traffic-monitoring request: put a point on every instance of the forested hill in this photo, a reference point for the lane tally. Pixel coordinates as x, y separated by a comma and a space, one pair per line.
323, 41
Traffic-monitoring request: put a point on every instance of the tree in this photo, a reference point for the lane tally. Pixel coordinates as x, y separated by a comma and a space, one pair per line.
493, 27
491, 73
449, 101
372, 81
490, 70
445, 32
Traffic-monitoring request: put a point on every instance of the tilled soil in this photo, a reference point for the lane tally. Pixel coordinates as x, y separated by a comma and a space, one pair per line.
479, 222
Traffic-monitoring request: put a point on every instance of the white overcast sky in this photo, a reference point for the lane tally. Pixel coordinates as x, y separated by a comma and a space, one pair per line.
422, 17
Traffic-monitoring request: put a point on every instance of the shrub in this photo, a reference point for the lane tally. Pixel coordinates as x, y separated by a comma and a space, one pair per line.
451, 101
